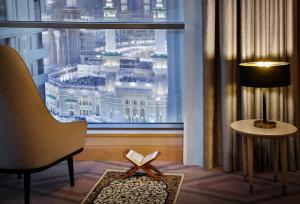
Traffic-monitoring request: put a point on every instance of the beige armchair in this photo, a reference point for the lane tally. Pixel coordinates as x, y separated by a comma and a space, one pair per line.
31, 140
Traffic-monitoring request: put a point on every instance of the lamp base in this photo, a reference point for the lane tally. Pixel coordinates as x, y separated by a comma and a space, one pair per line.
267, 125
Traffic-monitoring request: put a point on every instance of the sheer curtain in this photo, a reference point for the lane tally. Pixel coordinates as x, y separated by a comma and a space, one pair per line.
247, 30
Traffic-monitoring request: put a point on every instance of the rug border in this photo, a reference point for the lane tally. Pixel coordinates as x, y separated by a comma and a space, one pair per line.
94, 186
181, 181
118, 170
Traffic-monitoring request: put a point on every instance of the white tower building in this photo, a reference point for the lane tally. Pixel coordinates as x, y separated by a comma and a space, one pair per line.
160, 63
71, 11
71, 3
110, 55
146, 6
159, 14
69, 48
124, 6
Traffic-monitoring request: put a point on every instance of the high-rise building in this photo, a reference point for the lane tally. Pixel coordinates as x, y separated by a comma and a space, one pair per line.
69, 39
124, 6
2, 10
122, 79
110, 55
71, 11
28, 42
52, 47
147, 7
160, 62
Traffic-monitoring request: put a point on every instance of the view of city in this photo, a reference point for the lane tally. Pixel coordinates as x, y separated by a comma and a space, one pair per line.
102, 76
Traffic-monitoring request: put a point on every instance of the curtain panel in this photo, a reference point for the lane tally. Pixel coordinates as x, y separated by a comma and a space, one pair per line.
237, 31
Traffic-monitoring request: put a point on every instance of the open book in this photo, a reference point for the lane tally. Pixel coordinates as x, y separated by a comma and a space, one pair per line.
139, 159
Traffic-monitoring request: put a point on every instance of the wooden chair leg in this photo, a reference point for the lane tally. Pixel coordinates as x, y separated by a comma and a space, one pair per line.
71, 171
27, 188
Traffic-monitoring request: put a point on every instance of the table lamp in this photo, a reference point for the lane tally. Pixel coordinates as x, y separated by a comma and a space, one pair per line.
264, 75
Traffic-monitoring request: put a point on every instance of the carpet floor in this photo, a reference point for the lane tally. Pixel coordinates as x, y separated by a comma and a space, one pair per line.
199, 186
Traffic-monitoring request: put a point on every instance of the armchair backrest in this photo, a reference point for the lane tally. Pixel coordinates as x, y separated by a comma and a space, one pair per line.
23, 115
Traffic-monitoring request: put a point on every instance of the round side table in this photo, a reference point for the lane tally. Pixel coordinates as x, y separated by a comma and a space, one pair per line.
249, 132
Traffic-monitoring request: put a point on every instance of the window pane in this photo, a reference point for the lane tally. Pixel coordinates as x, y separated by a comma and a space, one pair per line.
105, 76
94, 10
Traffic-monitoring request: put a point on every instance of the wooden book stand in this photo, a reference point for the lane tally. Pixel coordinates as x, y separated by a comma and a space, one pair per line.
147, 167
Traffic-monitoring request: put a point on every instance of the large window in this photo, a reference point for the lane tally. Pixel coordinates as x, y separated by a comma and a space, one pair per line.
104, 61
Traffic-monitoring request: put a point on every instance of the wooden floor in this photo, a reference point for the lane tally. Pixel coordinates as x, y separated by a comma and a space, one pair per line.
110, 147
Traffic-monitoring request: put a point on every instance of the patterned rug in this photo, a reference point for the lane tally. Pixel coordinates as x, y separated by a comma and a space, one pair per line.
138, 189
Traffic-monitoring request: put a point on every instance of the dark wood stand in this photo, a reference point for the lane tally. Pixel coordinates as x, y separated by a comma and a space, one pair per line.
147, 167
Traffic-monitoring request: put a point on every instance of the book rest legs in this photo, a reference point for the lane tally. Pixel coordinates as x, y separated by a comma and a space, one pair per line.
148, 168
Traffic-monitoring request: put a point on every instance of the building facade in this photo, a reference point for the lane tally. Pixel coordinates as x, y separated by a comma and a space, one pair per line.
69, 43
98, 75
28, 42
126, 82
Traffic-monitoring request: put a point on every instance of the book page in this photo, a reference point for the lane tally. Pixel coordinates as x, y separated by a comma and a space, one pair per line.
135, 157
149, 157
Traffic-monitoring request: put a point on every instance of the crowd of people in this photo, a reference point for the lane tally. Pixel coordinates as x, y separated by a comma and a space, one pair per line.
87, 81
135, 79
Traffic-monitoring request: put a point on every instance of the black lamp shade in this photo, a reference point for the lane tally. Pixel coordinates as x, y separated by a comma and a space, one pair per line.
265, 74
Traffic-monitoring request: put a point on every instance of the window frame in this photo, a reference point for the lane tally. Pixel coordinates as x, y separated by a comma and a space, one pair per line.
93, 25
167, 25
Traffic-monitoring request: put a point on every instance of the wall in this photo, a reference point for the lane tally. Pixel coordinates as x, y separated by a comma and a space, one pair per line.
110, 147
